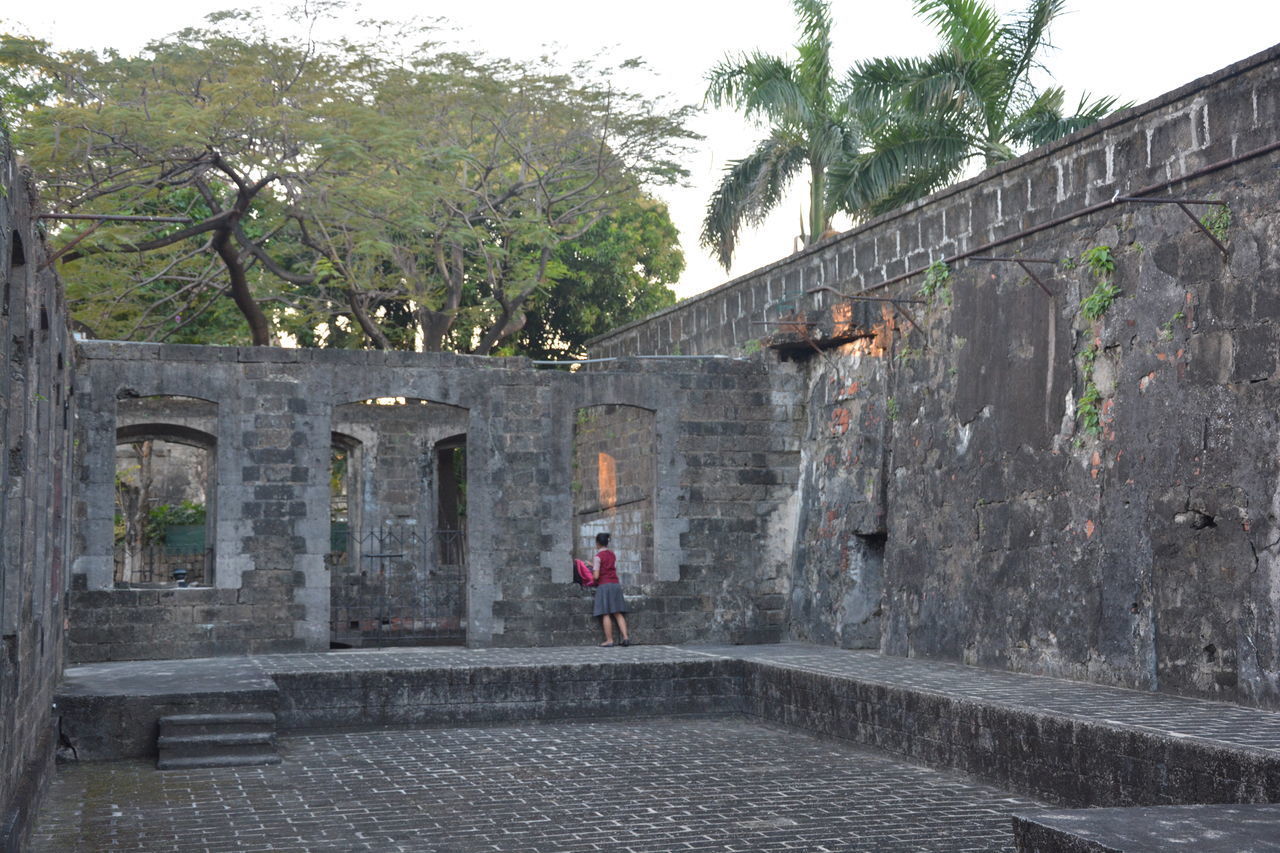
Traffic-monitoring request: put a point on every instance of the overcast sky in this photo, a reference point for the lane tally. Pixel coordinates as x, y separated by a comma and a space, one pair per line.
1133, 49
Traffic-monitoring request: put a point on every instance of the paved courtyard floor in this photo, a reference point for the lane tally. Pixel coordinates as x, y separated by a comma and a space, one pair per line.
643, 786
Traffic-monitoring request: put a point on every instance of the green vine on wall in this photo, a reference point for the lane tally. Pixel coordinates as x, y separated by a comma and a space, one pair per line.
1102, 265
1218, 221
936, 282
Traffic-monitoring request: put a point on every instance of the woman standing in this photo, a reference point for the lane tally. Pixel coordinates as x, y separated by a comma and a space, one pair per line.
610, 604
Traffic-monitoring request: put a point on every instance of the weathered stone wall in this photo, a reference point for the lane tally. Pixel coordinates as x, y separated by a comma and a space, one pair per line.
35, 483
725, 452
1013, 536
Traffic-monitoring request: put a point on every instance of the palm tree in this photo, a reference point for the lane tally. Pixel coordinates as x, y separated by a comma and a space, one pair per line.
806, 111
928, 118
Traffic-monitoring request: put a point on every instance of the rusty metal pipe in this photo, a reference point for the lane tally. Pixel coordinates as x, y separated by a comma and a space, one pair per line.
1169, 200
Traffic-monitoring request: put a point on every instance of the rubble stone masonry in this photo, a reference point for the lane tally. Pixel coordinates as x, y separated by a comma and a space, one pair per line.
36, 482
997, 477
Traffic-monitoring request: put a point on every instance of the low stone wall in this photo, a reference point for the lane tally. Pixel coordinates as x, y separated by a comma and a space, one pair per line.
490, 694
171, 622
1105, 748
36, 409
1056, 758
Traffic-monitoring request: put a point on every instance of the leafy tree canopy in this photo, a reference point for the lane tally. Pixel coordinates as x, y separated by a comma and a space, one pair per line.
375, 190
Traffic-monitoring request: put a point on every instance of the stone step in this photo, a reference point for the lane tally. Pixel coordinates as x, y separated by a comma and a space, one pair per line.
218, 722
216, 740
196, 762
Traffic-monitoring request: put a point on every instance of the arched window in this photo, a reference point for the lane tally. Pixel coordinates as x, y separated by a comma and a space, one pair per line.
165, 458
614, 473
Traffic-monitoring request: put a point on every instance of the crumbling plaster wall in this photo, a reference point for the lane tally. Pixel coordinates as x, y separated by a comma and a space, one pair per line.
35, 484
726, 455
1146, 555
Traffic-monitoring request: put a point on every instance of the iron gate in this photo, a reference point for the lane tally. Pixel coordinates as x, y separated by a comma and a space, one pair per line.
394, 587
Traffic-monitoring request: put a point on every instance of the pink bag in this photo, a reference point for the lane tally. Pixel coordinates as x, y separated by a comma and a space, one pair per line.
582, 574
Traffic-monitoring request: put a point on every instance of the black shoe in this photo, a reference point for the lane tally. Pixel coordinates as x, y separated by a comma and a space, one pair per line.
625, 642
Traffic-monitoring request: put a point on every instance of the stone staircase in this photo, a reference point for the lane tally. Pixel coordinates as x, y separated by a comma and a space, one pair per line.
238, 739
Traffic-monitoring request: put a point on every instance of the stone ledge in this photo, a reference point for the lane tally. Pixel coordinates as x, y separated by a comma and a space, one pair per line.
1204, 829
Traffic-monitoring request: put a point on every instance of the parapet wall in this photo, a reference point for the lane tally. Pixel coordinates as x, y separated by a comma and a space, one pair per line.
1221, 116
994, 476
35, 493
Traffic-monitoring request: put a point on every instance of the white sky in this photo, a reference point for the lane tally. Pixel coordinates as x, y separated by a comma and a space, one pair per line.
1134, 49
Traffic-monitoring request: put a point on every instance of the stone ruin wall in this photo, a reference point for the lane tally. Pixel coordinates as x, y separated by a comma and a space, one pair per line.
35, 487
950, 506
713, 470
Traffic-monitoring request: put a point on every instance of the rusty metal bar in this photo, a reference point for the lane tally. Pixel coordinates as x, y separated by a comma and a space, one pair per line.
1203, 228
897, 303
1022, 262
1169, 200
857, 298
782, 323
114, 217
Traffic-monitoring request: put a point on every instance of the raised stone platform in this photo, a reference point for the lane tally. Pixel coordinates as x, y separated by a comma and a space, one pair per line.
1064, 742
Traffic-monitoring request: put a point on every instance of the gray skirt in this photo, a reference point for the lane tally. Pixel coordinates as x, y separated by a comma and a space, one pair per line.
609, 599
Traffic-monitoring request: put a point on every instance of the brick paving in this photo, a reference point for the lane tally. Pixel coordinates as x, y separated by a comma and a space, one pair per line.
651, 786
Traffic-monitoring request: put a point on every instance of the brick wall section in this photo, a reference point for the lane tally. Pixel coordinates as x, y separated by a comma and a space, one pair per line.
35, 484
1144, 556
725, 451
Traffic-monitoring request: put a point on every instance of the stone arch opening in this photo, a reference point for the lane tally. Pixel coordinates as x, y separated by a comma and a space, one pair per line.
614, 485
165, 479
344, 492
398, 486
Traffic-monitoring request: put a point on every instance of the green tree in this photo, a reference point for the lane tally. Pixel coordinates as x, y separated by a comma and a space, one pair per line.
213, 125
803, 104
928, 118
366, 191
468, 181
617, 271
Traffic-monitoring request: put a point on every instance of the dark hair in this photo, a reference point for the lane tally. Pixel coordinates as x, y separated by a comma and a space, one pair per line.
602, 539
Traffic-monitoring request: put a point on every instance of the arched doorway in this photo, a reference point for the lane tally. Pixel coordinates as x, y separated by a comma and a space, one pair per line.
398, 524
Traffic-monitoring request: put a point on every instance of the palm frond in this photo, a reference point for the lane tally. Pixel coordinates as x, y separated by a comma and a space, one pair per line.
761, 86
749, 189
908, 161
1044, 121
969, 27
813, 71
1021, 41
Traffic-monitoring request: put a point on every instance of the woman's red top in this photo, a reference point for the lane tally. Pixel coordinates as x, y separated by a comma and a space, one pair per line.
608, 567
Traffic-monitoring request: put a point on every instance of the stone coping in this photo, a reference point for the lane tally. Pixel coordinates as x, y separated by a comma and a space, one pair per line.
1159, 829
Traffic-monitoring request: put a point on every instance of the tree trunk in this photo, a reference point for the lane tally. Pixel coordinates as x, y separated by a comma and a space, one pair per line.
818, 217
259, 330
